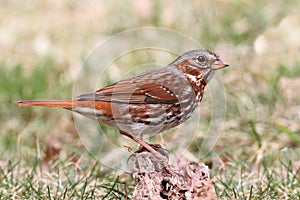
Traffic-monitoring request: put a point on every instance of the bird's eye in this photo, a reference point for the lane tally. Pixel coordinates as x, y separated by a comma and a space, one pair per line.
202, 59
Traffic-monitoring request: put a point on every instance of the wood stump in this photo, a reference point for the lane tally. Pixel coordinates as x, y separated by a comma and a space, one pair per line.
158, 180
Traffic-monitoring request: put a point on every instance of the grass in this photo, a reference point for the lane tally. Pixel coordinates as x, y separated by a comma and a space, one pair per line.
61, 181
267, 180
256, 157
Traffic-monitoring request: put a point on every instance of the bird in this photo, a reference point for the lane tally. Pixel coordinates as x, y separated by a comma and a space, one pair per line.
149, 103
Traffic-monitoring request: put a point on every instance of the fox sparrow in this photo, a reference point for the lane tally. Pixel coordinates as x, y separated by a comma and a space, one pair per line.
151, 102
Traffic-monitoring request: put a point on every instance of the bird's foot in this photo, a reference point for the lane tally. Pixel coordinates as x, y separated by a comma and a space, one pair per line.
155, 149
142, 160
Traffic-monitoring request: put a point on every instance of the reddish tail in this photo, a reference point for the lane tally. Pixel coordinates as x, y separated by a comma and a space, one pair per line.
49, 103
103, 106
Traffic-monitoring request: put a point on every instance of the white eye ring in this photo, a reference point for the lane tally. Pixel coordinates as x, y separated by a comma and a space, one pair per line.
202, 59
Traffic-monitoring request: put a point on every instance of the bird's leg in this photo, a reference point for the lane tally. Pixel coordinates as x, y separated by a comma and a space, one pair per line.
155, 151
159, 156
142, 143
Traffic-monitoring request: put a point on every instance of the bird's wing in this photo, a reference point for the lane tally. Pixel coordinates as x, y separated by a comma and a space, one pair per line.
150, 87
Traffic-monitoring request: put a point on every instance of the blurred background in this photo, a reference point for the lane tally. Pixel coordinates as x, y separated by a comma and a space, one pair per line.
43, 45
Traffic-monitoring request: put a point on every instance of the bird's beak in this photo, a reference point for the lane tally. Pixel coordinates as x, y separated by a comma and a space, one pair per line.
219, 64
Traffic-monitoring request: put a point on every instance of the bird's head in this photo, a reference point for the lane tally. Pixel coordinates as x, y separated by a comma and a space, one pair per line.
200, 63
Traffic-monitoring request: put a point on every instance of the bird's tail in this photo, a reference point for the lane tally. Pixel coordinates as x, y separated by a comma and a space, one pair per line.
49, 103
74, 105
